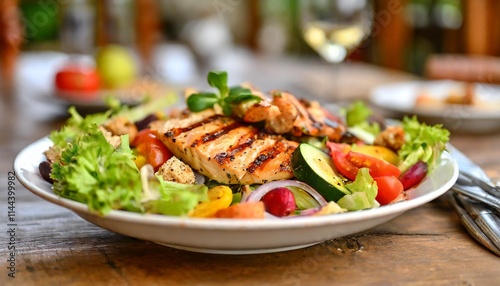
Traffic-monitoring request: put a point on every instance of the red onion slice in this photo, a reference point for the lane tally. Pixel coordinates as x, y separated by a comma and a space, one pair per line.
258, 193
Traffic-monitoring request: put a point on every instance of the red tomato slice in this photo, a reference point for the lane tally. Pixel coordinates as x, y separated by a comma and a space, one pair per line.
346, 168
344, 147
389, 188
378, 167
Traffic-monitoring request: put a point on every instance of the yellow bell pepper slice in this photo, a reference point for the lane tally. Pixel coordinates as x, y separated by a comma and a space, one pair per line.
379, 152
219, 197
140, 161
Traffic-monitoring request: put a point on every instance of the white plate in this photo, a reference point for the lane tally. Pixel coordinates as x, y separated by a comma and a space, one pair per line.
400, 99
92, 105
234, 236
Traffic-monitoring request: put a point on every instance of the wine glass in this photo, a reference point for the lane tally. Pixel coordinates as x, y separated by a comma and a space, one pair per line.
334, 28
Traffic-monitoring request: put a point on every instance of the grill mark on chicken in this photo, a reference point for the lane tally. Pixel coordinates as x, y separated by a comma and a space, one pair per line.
266, 155
177, 131
304, 116
286, 165
216, 134
305, 104
224, 157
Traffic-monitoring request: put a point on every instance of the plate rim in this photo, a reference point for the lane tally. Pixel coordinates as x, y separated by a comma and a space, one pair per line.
45, 193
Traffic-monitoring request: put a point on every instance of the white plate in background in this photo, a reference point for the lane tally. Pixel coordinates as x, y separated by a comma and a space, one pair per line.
399, 100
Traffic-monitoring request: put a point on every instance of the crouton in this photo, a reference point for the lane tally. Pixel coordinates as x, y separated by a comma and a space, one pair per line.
114, 140
174, 170
121, 126
53, 154
393, 137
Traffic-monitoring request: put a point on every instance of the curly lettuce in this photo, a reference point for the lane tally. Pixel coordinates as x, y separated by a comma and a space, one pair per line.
422, 143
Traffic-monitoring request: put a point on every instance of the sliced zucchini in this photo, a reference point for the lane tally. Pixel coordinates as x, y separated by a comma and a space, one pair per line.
315, 168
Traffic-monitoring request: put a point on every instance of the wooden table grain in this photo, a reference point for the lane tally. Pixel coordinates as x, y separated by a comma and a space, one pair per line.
53, 246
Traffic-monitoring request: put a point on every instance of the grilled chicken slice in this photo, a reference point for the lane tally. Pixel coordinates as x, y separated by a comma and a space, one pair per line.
305, 117
226, 150
283, 113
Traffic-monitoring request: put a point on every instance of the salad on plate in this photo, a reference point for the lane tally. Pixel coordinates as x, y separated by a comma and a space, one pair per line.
238, 152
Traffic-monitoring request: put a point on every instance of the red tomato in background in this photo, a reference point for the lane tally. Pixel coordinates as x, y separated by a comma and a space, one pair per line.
152, 148
378, 167
389, 188
83, 80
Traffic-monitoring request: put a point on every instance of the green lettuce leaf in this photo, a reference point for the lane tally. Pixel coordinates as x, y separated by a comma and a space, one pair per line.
357, 115
423, 143
176, 199
357, 112
364, 190
77, 126
92, 171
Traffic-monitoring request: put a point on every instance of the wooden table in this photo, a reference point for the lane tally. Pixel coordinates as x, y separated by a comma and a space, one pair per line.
425, 246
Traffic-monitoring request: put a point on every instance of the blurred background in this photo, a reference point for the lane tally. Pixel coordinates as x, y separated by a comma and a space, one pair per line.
178, 40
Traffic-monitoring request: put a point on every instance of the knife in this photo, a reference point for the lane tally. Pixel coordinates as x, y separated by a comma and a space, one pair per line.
473, 181
472, 171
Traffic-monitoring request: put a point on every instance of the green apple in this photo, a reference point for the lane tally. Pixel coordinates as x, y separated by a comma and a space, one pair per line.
116, 66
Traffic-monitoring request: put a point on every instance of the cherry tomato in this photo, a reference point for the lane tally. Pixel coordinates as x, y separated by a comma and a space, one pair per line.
378, 167
155, 152
389, 188
143, 136
82, 79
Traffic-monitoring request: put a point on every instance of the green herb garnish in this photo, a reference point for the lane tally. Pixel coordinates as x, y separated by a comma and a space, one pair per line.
224, 98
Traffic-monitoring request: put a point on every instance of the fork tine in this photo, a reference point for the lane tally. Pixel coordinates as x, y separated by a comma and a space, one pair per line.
486, 185
471, 226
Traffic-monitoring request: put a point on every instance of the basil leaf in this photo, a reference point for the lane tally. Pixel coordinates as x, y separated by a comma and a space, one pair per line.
237, 90
218, 79
201, 101
239, 94
241, 98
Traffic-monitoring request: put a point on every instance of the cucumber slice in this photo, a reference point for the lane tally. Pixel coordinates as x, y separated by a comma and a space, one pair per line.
315, 168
